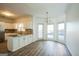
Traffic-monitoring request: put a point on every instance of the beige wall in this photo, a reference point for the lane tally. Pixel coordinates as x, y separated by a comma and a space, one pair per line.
11, 24
26, 20
6, 20
7, 23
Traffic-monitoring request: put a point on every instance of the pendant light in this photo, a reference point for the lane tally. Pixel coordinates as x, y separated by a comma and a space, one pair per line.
46, 17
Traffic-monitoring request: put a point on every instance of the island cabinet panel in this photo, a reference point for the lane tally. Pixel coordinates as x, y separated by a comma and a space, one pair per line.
15, 43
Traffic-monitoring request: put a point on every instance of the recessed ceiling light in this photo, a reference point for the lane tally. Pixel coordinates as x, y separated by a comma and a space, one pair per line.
7, 13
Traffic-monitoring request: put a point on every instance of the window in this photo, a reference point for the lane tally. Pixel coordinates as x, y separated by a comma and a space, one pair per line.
20, 27
50, 31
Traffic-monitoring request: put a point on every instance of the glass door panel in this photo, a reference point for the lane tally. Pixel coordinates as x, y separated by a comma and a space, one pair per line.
61, 32
50, 31
40, 31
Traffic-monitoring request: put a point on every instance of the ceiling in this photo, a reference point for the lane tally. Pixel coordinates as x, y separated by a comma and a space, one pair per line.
36, 9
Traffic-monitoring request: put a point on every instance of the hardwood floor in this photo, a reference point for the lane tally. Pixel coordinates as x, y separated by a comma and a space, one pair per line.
42, 48
3, 47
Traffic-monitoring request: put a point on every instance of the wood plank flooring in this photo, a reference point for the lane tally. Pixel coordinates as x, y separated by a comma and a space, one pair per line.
42, 48
3, 47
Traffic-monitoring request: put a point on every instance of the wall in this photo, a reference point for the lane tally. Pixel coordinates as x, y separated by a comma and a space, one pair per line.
26, 20
56, 21
37, 21
72, 29
9, 26
6, 20
51, 20
7, 23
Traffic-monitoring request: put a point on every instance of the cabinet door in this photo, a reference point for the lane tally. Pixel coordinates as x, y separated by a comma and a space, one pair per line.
15, 43
29, 38
21, 42
26, 41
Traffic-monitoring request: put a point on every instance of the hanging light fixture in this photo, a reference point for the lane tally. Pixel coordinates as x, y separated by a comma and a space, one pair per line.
46, 17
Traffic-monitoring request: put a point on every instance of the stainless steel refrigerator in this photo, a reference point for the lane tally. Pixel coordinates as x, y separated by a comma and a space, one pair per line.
2, 33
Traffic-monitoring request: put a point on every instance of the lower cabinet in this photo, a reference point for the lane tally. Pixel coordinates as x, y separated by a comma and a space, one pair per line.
15, 43
21, 42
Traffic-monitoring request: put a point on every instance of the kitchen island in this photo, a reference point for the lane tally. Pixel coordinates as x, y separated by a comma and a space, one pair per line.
16, 42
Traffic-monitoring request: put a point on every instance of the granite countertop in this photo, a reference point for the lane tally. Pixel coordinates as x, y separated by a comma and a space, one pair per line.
14, 35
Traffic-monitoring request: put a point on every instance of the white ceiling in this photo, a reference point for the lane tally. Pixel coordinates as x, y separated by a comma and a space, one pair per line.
36, 9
